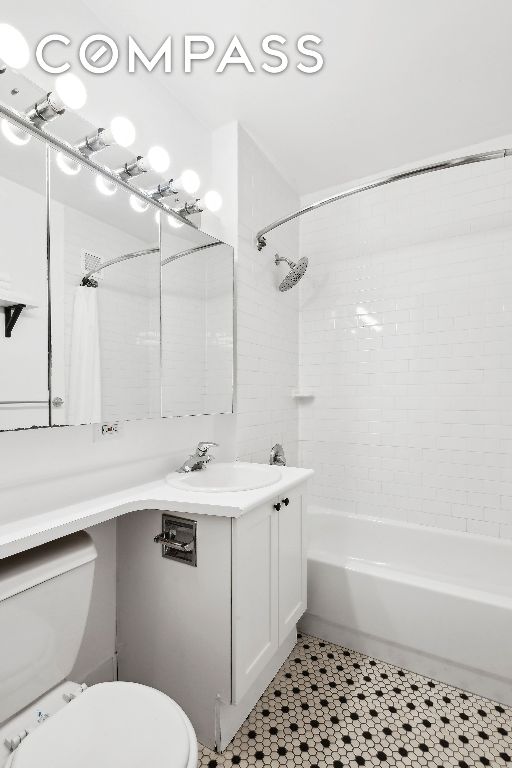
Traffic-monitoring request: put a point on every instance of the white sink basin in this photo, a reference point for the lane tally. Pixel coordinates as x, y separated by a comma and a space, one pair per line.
218, 477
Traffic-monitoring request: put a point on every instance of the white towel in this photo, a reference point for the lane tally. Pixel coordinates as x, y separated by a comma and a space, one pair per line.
85, 368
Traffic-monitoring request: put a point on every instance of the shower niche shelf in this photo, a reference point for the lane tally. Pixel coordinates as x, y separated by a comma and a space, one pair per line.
13, 307
303, 394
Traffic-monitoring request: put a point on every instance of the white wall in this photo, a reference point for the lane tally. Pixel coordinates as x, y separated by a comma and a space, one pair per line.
267, 325
406, 343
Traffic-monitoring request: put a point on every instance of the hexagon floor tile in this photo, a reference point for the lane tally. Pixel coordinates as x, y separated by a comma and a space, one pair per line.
331, 707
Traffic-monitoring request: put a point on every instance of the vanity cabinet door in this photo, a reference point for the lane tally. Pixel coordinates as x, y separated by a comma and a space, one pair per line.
292, 563
255, 596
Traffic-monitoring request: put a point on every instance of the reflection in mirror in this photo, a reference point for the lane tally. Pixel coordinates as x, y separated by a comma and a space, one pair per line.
105, 334
197, 323
24, 393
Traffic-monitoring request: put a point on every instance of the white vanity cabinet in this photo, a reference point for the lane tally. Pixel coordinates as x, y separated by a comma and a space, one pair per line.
213, 636
269, 585
292, 563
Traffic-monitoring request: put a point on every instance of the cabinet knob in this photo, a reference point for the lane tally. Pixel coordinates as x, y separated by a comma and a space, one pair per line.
286, 501
277, 506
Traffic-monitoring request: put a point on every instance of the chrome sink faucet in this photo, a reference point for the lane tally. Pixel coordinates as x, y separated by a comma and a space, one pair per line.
199, 459
277, 456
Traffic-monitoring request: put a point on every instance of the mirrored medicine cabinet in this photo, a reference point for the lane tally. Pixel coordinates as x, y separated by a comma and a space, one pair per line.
149, 334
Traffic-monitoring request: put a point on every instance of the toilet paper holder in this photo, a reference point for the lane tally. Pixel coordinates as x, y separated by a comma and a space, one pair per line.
178, 538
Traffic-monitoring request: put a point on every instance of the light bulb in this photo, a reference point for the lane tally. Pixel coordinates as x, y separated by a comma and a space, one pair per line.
14, 134
174, 223
138, 205
71, 90
14, 50
122, 131
105, 186
213, 201
67, 165
189, 182
159, 159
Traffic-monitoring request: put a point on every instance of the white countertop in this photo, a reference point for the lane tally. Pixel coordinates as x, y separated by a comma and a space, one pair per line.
16, 536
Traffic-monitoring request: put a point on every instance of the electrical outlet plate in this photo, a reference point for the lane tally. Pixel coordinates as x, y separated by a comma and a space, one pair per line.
108, 430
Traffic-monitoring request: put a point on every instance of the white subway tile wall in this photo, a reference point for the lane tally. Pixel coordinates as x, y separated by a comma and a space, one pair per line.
218, 383
197, 333
267, 327
183, 332
406, 343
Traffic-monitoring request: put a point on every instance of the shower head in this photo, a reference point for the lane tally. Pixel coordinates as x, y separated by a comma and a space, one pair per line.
294, 275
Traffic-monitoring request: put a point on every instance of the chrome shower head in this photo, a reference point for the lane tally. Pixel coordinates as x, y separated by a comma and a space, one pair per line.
294, 275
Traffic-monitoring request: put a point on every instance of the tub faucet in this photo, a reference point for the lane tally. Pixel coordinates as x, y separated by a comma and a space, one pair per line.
199, 459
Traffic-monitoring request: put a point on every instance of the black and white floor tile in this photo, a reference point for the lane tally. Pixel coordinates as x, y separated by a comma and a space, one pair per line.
333, 708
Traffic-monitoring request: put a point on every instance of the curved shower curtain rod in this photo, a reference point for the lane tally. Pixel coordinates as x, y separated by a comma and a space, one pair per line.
443, 165
86, 279
189, 251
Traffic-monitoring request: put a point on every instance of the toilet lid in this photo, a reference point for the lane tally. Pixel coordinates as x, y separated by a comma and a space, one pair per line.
112, 725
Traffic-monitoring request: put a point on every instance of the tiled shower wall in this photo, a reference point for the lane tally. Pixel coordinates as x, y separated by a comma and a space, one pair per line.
267, 327
197, 333
406, 345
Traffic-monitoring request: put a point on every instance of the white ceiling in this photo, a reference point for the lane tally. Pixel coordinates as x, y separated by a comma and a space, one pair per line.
403, 80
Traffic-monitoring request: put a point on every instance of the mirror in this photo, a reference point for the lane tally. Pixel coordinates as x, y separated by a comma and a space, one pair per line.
24, 394
105, 335
197, 323
140, 339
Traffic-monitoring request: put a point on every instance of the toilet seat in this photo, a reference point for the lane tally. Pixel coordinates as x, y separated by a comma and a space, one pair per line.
112, 725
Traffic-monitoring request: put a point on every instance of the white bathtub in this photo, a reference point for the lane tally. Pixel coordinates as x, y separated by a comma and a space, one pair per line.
435, 602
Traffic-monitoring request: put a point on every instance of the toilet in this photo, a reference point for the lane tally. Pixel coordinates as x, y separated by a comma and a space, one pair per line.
48, 721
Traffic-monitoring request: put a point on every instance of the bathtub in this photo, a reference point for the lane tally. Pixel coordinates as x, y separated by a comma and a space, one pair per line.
434, 602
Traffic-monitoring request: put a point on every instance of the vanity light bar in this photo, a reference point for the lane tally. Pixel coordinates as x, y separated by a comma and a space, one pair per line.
119, 178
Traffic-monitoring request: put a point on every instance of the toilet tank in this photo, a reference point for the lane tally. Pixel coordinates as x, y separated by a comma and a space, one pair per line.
45, 594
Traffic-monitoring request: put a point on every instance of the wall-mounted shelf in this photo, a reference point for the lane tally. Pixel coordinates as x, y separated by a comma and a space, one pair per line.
14, 306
